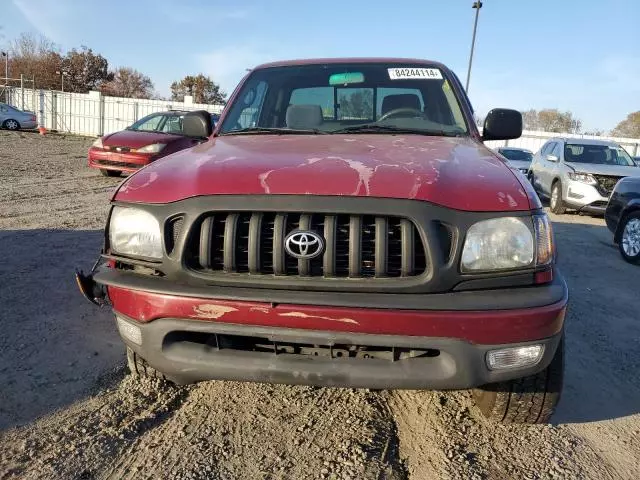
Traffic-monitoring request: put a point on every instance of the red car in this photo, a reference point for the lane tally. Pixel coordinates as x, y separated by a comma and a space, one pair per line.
346, 226
152, 137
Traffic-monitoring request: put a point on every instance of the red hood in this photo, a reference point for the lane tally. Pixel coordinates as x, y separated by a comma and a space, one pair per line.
459, 173
133, 139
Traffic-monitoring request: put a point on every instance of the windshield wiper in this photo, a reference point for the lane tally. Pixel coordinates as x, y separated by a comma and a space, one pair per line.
375, 128
275, 131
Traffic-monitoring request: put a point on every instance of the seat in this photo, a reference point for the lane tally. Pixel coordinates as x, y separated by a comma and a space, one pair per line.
401, 100
304, 117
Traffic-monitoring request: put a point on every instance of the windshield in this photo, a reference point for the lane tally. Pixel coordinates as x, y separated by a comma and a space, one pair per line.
346, 98
597, 154
159, 122
515, 154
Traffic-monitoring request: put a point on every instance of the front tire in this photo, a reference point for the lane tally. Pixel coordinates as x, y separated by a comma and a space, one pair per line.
11, 124
629, 243
531, 399
556, 203
140, 368
110, 173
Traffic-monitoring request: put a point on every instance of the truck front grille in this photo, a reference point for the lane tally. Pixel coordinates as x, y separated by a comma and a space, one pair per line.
356, 246
606, 184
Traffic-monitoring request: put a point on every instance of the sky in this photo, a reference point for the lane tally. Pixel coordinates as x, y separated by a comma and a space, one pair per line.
576, 55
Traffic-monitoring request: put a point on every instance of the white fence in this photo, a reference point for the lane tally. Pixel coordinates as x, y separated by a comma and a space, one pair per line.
95, 114
92, 113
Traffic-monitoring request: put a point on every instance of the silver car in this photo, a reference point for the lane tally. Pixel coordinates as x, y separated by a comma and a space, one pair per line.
579, 174
13, 119
518, 158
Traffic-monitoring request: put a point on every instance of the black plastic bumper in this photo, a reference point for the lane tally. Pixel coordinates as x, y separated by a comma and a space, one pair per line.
458, 365
494, 299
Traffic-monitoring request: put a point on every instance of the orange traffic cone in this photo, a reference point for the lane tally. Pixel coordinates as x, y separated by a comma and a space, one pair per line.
42, 130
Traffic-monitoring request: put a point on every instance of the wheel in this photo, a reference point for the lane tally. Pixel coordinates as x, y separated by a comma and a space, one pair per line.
629, 243
140, 368
530, 399
110, 173
11, 124
557, 204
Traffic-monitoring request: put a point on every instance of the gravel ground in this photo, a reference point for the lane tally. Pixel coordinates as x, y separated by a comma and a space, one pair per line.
69, 410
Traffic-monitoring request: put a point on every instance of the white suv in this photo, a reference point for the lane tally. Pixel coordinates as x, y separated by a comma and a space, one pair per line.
579, 174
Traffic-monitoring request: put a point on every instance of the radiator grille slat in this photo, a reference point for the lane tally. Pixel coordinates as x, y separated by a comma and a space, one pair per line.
230, 230
356, 246
255, 229
381, 246
278, 244
408, 247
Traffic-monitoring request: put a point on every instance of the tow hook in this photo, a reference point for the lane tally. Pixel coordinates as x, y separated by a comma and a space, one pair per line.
90, 290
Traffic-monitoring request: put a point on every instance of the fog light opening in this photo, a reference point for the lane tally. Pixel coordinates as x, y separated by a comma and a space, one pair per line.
514, 357
128, 331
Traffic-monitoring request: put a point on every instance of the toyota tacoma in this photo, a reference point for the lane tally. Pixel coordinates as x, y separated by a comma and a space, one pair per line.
343, 226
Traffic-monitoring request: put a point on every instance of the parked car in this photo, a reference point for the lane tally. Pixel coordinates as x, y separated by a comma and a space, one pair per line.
579, 174
637, 161
519, 158
150, 138
378, 245
13, 119
623, 217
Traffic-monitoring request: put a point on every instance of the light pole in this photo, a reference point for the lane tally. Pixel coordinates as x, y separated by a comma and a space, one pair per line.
6, 65
62, 75
477, 6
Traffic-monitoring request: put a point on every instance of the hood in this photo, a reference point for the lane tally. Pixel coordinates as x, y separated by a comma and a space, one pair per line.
133, 139
611, 170
459, 173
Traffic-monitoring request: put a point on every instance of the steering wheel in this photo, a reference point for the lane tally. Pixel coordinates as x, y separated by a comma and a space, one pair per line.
398, 111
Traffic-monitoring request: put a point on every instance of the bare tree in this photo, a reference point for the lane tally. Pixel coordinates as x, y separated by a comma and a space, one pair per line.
35, 57
551, 120
629, 127
128, 82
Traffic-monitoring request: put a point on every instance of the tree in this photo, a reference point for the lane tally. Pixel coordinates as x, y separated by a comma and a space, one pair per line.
85, 70
551, 120
358, 104
530, 120
128, 83
201, 88
35, 57
629, 127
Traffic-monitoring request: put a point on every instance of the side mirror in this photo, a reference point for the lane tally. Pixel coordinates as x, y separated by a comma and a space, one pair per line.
197, 124
552, 158
502, 124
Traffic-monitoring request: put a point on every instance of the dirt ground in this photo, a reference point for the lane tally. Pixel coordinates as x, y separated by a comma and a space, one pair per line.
69, 410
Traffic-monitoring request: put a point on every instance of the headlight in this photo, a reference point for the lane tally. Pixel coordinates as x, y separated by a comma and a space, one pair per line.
583, 178
498, 244
98, 143
134, 232
153, 148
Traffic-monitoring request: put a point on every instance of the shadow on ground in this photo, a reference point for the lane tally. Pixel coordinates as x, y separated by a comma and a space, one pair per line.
602, 378
55, 346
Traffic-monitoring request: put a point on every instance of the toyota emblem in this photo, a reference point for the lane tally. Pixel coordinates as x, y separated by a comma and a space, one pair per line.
304, 245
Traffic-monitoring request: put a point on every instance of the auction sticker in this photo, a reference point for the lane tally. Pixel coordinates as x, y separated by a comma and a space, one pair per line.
414, 73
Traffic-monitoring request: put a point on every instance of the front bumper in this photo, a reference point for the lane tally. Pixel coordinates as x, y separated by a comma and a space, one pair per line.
197, 356
584, 198
124, 162
178, 326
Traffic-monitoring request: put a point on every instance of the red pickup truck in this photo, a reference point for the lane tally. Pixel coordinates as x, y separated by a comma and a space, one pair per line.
343, 226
